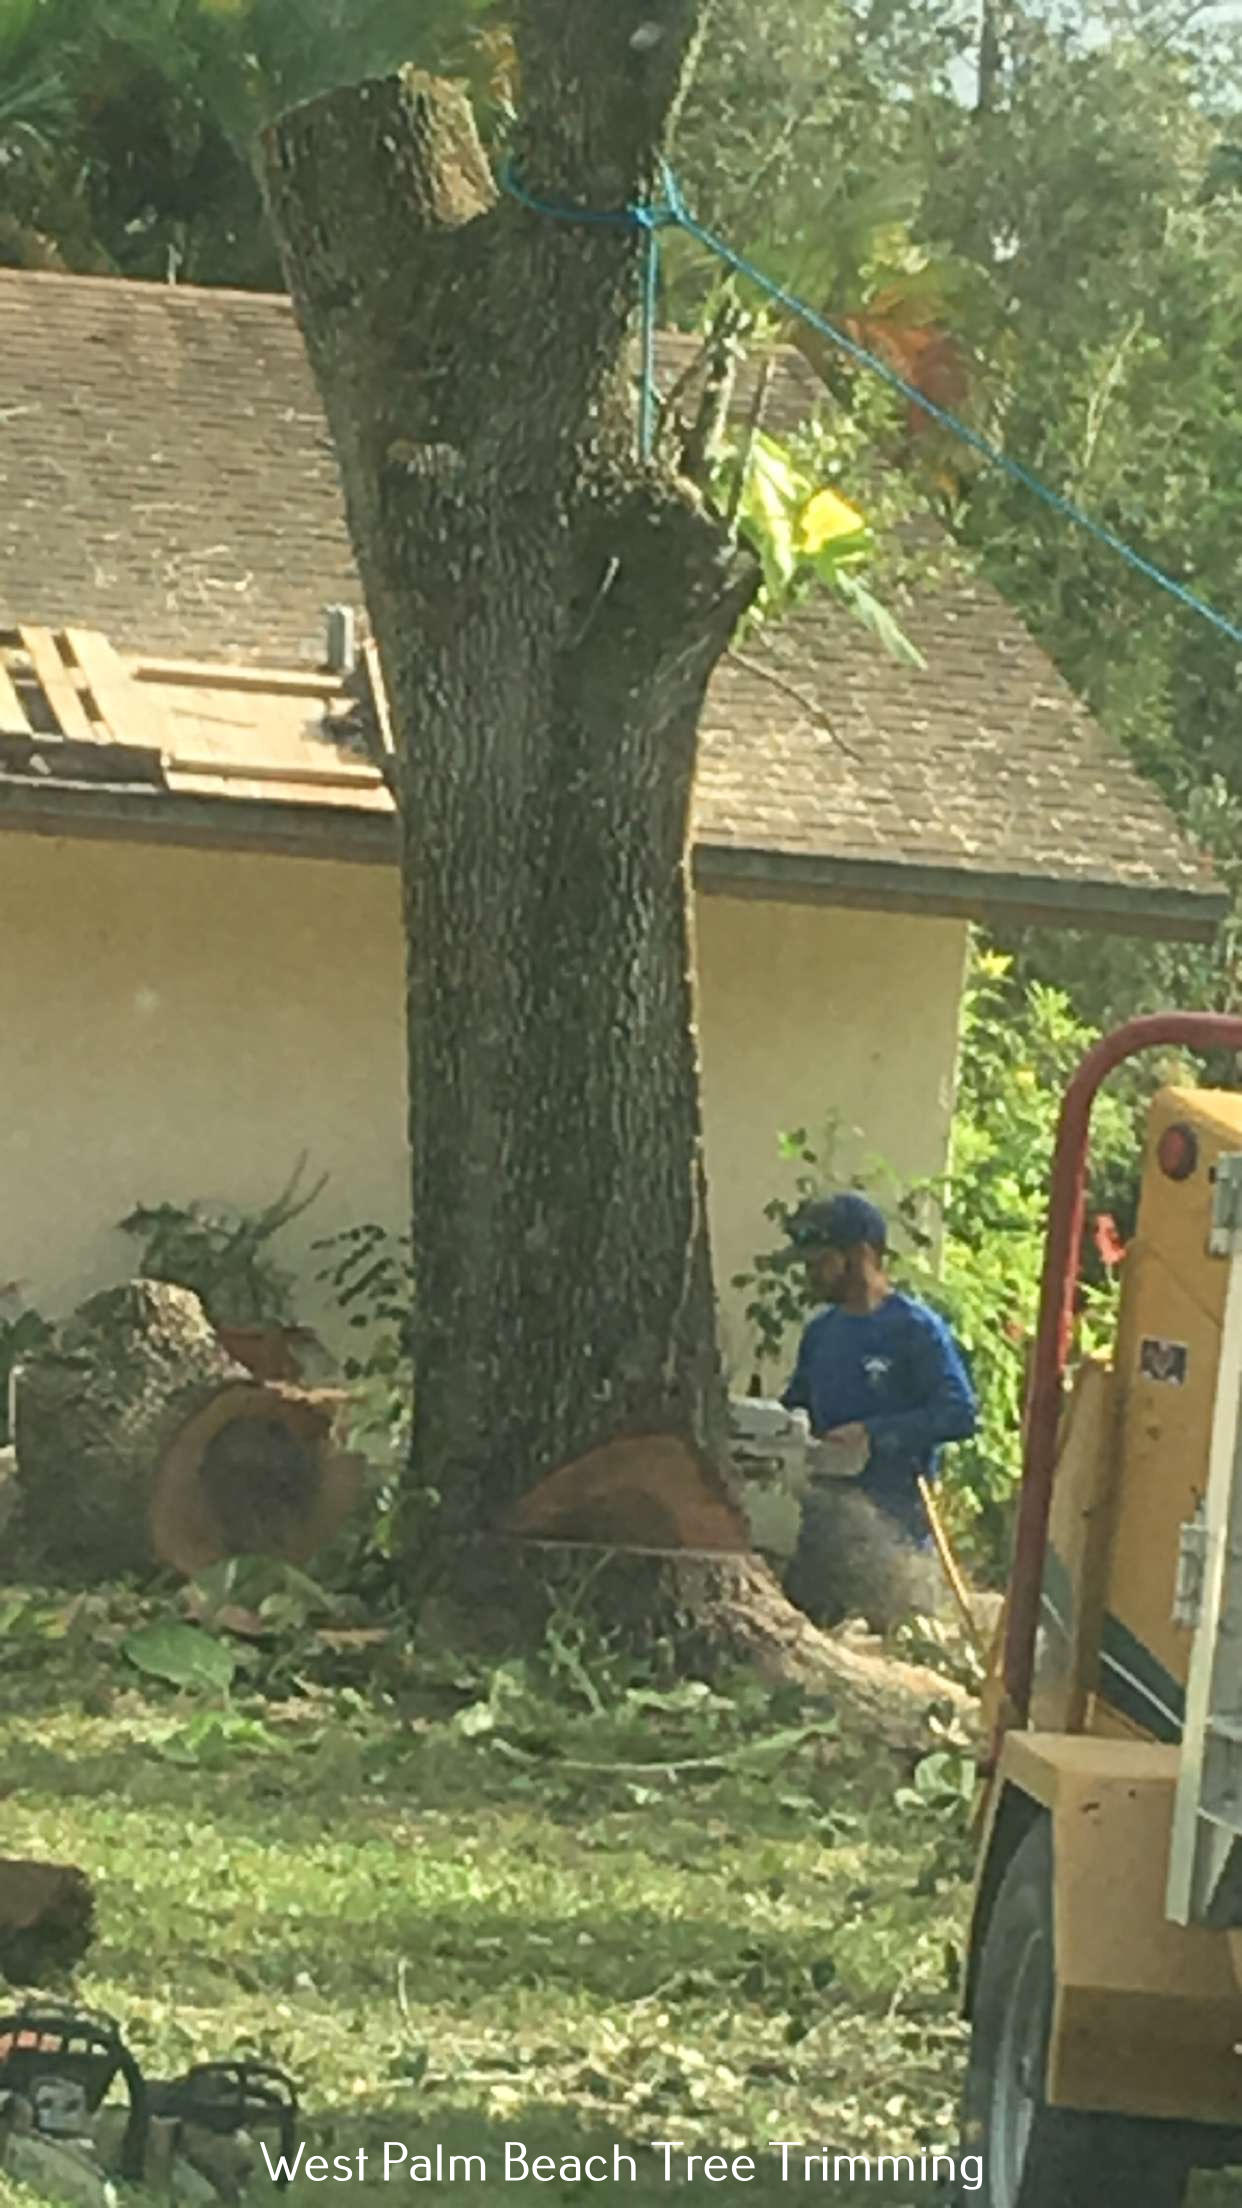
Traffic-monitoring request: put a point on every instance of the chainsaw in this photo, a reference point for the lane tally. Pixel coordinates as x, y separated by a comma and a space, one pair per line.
191, 2138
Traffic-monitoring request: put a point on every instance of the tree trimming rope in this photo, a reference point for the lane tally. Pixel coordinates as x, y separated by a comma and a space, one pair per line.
671, 212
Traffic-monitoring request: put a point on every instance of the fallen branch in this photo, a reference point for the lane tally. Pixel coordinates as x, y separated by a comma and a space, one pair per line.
790, 690
726, 1760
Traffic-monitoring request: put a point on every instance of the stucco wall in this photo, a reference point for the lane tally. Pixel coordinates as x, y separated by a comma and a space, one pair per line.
810, 1013
179, 1024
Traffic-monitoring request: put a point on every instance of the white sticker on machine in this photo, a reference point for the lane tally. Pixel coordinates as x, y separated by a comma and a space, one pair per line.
1165, 1361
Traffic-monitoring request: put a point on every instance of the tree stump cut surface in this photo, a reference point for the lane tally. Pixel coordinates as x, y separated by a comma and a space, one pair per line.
139, 1440
646, 1491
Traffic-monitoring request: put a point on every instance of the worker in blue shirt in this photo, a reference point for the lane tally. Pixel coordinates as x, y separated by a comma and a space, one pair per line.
878, 1373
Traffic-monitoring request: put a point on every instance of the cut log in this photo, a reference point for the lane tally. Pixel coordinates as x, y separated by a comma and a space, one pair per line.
47, 1920
255, 1473
139, 1441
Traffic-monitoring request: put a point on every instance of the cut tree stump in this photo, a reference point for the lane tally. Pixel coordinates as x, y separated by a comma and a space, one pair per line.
720, 1612
650, 1530
47, 1920
140, 1441
645, 1491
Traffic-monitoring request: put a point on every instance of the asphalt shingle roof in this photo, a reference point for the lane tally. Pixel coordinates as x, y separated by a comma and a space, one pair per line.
166, 477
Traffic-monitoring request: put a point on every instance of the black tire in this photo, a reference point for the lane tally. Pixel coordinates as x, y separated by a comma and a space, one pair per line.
1034, 2156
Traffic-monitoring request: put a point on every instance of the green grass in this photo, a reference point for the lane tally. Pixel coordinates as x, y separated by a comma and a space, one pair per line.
400, 1891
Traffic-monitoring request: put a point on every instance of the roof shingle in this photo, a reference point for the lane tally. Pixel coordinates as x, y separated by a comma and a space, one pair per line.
166, 476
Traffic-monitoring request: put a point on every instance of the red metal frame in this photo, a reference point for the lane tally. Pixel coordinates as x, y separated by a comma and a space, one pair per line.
1198, 1031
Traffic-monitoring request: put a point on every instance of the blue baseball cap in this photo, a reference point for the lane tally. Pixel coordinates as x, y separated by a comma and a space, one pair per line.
839, 1222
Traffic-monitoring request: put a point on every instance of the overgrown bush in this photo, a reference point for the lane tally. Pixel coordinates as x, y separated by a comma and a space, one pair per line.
971, 1242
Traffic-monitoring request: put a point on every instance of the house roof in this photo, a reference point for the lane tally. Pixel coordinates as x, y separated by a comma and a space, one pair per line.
166, 478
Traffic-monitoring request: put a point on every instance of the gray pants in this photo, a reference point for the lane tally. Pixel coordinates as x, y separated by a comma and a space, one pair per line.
853, 1561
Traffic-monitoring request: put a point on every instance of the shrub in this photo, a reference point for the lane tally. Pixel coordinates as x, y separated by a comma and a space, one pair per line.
370, 1272
222, 1254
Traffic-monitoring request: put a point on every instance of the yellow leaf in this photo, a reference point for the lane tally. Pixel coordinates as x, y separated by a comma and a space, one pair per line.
825, 517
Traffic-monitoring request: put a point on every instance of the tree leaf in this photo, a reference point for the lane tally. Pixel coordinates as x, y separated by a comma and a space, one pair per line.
826, 518
476, 1718
183, 1655
876, 618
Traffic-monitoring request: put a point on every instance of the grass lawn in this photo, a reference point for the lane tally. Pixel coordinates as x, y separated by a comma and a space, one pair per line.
462, 1908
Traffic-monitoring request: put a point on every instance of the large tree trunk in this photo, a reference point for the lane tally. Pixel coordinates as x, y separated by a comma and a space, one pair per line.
548, 613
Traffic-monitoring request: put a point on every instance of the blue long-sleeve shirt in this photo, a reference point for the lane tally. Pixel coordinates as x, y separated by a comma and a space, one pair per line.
897, 1371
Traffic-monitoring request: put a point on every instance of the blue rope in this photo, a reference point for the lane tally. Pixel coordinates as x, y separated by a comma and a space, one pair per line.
671, 212
648, 216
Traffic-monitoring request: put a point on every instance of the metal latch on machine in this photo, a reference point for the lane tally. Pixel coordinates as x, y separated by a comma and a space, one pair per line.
1226, 1205
1192, 1544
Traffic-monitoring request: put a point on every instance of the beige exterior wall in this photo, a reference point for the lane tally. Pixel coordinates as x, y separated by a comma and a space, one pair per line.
810, 1013
178, 1024
181, 1024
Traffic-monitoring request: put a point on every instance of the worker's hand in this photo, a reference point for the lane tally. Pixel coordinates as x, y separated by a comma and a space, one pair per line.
852, 1436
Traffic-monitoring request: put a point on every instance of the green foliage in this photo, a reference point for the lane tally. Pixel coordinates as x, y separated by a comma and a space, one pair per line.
370, 1273
35, 102
973, 1240
1120, 392
213, 1739
807, 134
290, 1623
278, 1596
1062, 249
222, 1254
128, 127
806, 535
945, 1785
182, 1655
1016, 1060
692, 1913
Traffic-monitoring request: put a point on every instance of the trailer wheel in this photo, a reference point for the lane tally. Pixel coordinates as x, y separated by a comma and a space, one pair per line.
1035, 2156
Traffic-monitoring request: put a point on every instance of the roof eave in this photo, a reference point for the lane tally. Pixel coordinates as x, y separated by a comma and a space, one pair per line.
963, 893
346, 833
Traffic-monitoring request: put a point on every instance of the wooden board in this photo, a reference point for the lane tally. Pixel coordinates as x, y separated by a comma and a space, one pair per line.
57, 685
64, 759
13, 720
223, 675
379, 695
339, 776
129, 716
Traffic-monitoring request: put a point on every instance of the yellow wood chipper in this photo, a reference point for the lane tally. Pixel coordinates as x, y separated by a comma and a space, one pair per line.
1103, 1979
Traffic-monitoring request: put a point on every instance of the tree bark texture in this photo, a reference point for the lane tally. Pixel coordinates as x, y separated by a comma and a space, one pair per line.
548, 613
138, 1440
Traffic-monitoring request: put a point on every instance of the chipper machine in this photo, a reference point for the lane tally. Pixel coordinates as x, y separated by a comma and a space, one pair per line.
1103, 1980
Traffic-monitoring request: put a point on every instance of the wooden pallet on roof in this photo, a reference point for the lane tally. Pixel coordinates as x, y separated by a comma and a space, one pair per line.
69, 707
